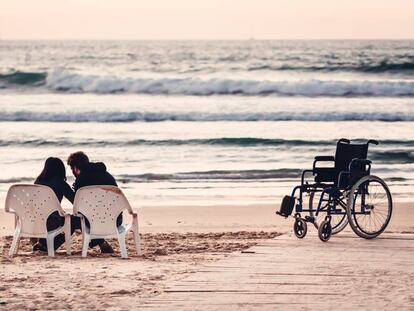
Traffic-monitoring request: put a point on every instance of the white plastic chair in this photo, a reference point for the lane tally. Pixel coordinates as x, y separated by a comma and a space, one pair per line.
32, 205
101, 205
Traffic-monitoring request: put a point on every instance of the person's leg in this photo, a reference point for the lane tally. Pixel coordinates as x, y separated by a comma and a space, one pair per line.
105, 247
75, 224
53, 222
93, 242
119, 220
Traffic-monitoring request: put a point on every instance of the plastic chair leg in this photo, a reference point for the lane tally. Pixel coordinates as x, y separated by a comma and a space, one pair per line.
68, 238
50, 240
137, 238
85, 246
15, 244
137, 241
122, 245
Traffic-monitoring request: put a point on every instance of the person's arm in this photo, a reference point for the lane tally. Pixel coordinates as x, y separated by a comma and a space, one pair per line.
79, 183
68, 193
111, 180
115, 184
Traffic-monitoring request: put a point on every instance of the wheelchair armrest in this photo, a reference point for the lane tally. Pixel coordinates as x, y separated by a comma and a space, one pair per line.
322, 159
361, 162
304, 174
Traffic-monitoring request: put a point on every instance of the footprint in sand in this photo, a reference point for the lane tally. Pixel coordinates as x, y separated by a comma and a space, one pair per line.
121, 292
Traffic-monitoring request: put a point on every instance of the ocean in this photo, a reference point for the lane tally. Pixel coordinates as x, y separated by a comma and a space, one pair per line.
205, 122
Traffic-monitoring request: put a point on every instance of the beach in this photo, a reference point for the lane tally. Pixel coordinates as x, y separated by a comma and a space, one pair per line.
204, 138
177, 242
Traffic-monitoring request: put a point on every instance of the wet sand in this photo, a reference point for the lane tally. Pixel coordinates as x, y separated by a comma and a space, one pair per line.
225, 218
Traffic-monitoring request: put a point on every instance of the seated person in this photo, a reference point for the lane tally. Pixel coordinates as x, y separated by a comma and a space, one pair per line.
54, 176
91, 174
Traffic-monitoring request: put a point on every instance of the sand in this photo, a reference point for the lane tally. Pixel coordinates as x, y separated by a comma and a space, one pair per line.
177, 241
103, 281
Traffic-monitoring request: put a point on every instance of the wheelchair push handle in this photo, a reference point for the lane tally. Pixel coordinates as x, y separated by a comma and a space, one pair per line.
347, 141
344, 140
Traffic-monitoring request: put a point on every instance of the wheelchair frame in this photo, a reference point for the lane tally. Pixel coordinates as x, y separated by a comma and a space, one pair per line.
341, 200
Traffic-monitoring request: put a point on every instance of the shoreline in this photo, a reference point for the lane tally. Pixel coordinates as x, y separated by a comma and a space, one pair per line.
225, 218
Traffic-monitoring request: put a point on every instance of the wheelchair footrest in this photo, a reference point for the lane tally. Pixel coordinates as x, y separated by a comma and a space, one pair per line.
286, 208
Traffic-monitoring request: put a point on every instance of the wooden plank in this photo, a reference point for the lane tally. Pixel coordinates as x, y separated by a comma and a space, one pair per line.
301, 275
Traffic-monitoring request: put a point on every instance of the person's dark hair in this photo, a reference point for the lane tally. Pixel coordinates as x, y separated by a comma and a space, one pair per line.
78, 159
54, 167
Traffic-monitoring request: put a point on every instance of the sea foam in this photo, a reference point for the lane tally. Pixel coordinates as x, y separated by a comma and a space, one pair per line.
133, 116
66, 81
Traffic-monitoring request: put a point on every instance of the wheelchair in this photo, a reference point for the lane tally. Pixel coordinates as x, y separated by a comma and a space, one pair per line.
339, 194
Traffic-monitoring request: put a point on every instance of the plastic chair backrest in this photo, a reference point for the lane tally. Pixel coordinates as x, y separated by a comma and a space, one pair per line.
33, 204
346, 152
101, 205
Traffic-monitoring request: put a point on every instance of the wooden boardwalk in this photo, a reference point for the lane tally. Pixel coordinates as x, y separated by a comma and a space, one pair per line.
347, 273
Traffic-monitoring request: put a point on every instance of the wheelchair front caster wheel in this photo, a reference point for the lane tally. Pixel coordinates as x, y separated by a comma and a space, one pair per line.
300, 228
325, 231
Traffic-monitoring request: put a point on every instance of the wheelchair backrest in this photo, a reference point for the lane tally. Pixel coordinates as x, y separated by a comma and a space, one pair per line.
345, 152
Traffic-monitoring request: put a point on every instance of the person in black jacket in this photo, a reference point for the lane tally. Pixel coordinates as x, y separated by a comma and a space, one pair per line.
53, 175
89, 174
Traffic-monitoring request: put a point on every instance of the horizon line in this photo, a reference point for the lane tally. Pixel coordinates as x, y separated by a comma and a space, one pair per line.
228, 39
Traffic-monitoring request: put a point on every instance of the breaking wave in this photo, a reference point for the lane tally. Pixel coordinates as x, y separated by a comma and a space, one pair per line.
102, 117
222, 141
219, 175
214, 175
382, 67
64, 81
23, 78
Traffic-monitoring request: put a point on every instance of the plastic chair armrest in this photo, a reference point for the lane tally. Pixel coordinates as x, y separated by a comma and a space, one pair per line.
63, 213
134, 218
11, 211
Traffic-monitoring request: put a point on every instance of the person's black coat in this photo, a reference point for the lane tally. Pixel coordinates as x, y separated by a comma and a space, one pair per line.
94, 174
54, 220
59, 187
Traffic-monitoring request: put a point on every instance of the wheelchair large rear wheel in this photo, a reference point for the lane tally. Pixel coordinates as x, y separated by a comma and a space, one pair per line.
369, 207
338, 221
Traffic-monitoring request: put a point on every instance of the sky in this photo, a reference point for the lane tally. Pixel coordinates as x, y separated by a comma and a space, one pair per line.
206, 20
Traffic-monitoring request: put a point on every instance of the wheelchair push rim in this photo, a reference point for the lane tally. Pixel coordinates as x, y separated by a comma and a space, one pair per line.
369, 207
338, 222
